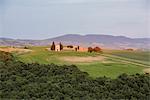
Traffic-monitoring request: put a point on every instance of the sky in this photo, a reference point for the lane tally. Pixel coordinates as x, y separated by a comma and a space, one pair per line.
41, 19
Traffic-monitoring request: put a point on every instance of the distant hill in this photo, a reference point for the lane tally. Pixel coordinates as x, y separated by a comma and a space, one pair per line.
105, 41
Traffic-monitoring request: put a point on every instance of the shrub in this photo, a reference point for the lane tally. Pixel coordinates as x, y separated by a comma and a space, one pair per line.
35, 81
90, 49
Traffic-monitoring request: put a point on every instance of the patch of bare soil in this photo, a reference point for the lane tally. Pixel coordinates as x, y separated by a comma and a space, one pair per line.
147, 70
76, 59
105, 61
14, 50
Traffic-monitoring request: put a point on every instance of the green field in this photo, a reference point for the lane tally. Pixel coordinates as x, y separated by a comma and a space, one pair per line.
112, 66
141, 57
138, 55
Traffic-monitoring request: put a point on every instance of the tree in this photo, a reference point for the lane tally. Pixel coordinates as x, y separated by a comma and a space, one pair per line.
69, 46
53, 46
61, 46
97, 49
26, 47
20, 80
78, 47
90, 49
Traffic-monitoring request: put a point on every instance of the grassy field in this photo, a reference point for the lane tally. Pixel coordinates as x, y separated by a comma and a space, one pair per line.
137, 55
110, 66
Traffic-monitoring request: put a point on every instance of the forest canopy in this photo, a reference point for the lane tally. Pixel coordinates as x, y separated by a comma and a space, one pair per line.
39, 81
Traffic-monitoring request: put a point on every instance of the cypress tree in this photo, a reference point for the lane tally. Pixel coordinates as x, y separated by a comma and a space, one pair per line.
53, 46
61, 46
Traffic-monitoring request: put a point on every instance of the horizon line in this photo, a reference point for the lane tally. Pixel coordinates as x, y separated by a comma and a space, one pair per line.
73, 34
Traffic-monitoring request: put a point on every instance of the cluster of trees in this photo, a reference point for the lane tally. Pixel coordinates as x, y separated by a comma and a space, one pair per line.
34, 81
69, 46
96, 49
53, 46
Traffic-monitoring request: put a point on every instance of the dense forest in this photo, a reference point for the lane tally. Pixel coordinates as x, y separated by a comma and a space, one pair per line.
31, 81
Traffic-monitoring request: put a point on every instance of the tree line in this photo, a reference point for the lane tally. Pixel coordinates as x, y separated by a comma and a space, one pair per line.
20, 80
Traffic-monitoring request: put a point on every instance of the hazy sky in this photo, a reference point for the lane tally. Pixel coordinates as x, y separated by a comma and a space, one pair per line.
40, 19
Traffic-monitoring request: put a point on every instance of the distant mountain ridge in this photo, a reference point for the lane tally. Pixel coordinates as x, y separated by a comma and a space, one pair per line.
105, 41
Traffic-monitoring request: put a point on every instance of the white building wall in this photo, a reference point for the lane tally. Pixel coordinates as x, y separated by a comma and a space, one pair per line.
57, 48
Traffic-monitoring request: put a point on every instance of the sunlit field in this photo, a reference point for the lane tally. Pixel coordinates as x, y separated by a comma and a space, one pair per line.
110, 64
141, 56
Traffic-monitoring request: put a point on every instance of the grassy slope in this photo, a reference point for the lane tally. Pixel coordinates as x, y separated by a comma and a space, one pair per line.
41, 55
142, 56
109, 69
95, 69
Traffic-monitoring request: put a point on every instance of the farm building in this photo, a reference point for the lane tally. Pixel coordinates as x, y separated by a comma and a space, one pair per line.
75, 48
57, 48
60, 47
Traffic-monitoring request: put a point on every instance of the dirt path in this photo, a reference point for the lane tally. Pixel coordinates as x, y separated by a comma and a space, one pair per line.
76, 59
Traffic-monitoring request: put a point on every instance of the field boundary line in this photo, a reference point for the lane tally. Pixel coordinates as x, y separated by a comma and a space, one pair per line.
127, 60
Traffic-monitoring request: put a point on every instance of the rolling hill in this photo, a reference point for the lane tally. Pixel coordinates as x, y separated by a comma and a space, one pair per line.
105, 41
